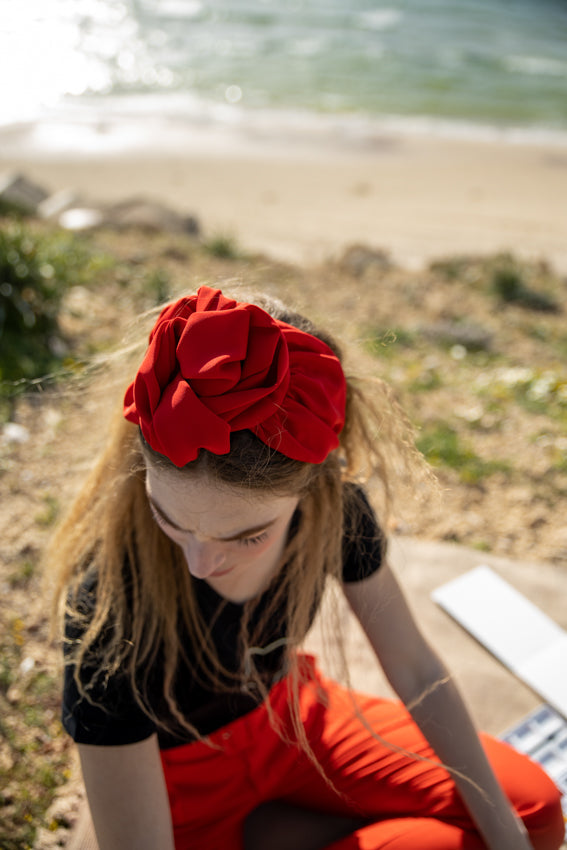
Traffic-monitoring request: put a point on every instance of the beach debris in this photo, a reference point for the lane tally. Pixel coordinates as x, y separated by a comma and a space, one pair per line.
27, 665
150, 216
14, 433
19, 194
72, 212
357, 259
54, 205
137, 213
82, 218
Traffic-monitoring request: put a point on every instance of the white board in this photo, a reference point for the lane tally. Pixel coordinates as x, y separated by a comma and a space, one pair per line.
512, 628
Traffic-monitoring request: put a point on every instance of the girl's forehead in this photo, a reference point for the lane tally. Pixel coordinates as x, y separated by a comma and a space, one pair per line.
197, 503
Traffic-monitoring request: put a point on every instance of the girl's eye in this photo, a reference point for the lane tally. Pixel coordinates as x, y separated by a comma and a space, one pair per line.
253, 541
245, 541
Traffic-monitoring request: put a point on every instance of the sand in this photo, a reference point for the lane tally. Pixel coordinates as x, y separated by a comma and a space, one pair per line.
417, 197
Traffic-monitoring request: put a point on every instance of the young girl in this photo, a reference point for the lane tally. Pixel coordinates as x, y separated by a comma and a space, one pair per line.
191, 567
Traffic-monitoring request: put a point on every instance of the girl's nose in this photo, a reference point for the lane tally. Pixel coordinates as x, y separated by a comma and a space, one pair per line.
203, 557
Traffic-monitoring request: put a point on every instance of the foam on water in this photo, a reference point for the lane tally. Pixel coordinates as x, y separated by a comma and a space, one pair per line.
449, 67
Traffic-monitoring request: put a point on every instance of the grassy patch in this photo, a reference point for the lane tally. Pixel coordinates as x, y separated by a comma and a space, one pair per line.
457, 268
422, 380
158, 285
442, 446
36, 270
387, 343
538, 392
508, 280
21, 576
33, 757
50, 512
223, 246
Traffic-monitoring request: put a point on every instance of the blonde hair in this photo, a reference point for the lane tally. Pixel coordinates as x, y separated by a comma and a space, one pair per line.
143, 587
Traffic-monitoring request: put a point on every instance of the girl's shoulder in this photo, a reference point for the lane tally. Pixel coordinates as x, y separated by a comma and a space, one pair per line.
364, 541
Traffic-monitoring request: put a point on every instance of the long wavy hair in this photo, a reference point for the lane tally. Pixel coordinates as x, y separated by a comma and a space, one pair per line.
110, 530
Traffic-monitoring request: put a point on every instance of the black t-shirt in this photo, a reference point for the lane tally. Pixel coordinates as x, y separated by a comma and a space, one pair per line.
111, 715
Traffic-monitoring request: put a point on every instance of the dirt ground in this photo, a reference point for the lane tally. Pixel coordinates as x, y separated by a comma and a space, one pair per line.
484, 380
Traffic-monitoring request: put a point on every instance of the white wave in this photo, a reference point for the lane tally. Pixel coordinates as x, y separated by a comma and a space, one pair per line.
306, 47
178, 8
380, 19
536, 65
177, 123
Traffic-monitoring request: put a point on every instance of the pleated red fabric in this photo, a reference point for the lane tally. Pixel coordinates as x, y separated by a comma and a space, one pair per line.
214, 366
405, 802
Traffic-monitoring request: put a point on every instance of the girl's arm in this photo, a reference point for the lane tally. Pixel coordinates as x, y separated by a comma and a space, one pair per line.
127, 796
422, 681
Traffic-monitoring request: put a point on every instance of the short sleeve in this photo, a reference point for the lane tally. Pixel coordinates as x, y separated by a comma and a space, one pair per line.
364, 543
108, 714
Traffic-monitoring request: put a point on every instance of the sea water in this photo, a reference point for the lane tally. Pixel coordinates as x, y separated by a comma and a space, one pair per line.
451, 65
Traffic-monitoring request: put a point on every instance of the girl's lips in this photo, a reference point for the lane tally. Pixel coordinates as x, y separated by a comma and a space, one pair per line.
223, 572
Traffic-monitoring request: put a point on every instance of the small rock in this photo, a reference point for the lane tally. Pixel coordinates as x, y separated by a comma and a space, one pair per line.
20, 193
6, 765
77, 300
27, 665
149, 216
357, 259
51, 418
14, 433
13, 694
172, 252
458, 352
81, 218
469, 335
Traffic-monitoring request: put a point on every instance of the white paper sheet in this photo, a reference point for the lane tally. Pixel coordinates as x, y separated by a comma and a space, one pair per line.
512, 628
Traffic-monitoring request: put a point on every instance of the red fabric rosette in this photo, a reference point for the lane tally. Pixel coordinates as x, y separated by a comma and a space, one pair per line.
215, 365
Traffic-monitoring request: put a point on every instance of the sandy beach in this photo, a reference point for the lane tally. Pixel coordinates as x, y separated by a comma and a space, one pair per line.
417, 197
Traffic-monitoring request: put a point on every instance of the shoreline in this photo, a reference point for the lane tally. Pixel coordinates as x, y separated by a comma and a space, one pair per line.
176, 122
303, 198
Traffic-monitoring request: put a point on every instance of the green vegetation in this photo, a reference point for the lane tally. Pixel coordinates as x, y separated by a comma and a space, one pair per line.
539, 392
9, 208
508, 281
528, 285
21, 576
456, 268
223, 246
442, 446
31, 769
387, 342
36, 270
50, 512
158, 285
484, 383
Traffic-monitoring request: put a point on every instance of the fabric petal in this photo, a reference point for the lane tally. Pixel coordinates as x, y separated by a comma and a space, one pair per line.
214, 366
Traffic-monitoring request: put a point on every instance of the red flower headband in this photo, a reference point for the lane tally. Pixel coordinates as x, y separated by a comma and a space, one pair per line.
214, 366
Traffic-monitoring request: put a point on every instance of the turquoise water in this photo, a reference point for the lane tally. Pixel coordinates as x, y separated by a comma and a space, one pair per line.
501, 63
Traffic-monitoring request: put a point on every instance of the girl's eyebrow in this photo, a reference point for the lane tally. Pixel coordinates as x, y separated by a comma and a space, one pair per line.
249, 532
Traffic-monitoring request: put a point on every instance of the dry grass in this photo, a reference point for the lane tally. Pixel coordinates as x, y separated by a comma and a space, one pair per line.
482, 377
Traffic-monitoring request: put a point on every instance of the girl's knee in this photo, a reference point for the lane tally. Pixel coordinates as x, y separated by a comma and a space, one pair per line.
545, 822
541, 809
531, 791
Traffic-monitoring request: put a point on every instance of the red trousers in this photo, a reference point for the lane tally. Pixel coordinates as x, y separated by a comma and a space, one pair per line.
407, 803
